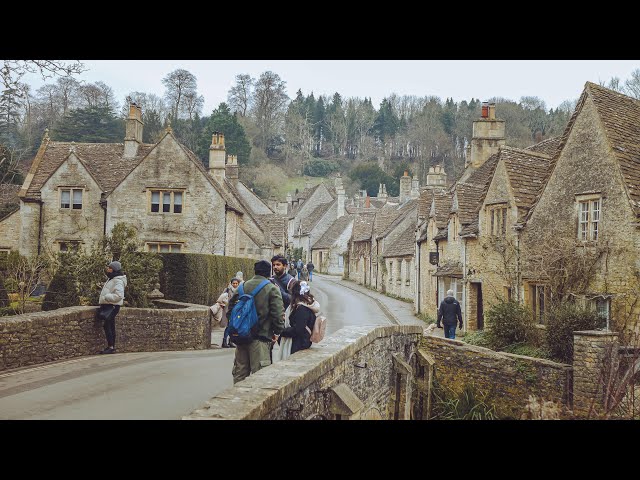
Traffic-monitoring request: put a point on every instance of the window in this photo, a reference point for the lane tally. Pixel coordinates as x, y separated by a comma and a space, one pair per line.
171, 201
497, 220
589, 219
450, 283
68, 245
454, 226
4, 252
508, 293
537, 297
164, 247
71, 198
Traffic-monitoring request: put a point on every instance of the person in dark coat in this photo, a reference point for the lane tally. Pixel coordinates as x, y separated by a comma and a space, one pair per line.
448, 312
310, 267
302, 316
281, 278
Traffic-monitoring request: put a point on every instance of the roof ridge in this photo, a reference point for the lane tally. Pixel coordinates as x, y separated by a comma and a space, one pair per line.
525, 152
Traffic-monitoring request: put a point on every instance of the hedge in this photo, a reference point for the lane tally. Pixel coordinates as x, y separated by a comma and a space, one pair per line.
199, 278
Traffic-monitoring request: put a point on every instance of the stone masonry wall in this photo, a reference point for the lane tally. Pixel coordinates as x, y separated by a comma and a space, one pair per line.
300, 387
10, 231
509, 379
34, 338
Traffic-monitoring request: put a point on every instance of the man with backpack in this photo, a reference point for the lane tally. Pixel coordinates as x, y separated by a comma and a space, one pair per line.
261, 300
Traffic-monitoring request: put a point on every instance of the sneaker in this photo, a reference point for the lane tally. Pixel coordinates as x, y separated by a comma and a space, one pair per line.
108, 350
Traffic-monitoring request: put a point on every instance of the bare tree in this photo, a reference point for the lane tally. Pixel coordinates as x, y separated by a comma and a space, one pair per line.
632, 85
239, 97
13, 70
179, 84
23, 275
192, 104
269, 105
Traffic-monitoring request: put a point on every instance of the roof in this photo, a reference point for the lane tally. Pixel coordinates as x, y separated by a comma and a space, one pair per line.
309, 222
334, 231
620, 117
443, 201
407, 209
547, 147
449, 270
104, 161
404, 245
276, 224
528, 172
443, 234
470, 230
472, 192
363, 227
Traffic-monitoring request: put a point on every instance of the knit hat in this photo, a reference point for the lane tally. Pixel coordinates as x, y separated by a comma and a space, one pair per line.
239, 275
117, 266
262, 268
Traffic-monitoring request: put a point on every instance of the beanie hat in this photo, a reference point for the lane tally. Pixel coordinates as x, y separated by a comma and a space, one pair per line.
262, 268
117, 266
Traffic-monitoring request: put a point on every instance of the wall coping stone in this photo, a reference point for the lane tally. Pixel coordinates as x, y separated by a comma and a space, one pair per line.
596, 333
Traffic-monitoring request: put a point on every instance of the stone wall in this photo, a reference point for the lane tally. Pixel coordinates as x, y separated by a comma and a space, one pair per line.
509, 379
352, 374
10, 232
34, 338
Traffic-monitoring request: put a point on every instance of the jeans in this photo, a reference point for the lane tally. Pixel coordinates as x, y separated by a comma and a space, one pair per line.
110, 327
450, 331
311, 275
225, 335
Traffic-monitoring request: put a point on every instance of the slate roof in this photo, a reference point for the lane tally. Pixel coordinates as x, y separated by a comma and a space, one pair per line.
363, 227
404, 245
334, 231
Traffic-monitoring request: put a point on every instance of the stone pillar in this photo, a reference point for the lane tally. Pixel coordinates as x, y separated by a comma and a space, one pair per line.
405, 187
595, 357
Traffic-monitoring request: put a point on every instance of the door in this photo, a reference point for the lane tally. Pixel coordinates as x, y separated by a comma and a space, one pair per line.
480, 311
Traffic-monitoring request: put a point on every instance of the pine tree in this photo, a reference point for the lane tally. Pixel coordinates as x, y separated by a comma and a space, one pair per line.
235, 139
90, 125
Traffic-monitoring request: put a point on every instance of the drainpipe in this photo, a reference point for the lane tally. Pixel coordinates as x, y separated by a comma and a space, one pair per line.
417, 279
437, 278
518, 267
103, 204
40, 227
464, 285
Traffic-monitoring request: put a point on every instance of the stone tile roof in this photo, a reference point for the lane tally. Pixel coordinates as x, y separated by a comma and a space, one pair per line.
334, 231
309, 222
443, 201
528, 172
103, 160
276, 224
470, 230
471, 193
547, 147
363, 227
390, 215
449, 270
404, 245
620, 116
409, 208
443, 234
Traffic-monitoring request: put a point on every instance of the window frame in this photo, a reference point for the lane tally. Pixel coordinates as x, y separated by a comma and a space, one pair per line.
74, 244
497, 216
71, 205
161, 200
159, 244
588, 229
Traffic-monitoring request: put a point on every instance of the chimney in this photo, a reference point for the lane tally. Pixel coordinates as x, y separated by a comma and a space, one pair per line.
485, 110
488, 137
231, 169
367, 202
415, 187
290, 200
384, 191
133, 131
341, 196
405, 187
436, 176
307, 184
217, 155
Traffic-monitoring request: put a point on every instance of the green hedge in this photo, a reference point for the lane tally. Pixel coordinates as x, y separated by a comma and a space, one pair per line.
199, 278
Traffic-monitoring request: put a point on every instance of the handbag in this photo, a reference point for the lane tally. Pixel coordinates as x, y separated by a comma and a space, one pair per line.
106, 309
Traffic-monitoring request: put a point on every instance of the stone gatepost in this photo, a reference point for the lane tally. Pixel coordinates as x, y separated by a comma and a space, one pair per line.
595, 357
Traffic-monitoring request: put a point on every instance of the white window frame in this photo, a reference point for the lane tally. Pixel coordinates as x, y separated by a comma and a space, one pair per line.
72, 193
173, 193
589, 213
456, 285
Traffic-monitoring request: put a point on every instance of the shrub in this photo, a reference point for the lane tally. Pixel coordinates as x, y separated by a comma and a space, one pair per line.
320, 168
478, 338
509, 323
4, 298
561, 322
467, 405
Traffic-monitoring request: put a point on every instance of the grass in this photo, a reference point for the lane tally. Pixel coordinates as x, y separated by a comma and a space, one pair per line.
290, 184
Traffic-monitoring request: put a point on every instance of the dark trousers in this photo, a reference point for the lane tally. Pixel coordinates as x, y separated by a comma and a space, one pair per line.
110, 327
450, 331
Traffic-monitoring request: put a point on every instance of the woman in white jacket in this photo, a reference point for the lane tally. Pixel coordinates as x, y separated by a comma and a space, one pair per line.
112, 298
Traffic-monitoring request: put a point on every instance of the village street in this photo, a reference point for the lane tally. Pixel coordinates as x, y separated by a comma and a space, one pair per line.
166, 385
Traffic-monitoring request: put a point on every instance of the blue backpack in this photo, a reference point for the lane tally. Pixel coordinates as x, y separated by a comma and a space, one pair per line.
244, 316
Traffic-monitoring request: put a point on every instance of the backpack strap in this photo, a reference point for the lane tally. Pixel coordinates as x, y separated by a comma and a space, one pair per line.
240, 290
259, 287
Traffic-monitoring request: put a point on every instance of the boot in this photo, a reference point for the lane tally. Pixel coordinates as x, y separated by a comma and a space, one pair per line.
225, 344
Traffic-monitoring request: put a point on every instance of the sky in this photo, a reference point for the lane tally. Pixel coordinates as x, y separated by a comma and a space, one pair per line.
552, 80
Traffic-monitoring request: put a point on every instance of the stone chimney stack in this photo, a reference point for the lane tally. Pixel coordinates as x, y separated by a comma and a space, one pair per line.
217, 154
307, 184
383, 193
436, 177
367, 202
415, 187
133, 131
341, 196
488, 136
405, 187
231, 169
290, 200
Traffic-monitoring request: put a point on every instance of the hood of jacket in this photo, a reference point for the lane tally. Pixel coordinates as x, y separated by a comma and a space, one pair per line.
449, 300
314, 307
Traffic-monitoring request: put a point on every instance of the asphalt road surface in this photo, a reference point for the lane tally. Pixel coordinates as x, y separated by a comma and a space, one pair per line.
158, 385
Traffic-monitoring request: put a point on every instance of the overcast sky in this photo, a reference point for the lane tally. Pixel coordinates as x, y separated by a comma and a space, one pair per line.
552, 80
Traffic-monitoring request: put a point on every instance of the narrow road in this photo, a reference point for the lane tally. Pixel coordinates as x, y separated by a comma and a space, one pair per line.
158, 385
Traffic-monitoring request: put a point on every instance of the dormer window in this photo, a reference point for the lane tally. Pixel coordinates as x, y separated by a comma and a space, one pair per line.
589, 215
496, 216
71, 198
166, 201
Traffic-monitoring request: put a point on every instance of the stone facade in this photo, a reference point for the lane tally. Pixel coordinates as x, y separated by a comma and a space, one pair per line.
508, 379
352, 374
70, 332
10, 232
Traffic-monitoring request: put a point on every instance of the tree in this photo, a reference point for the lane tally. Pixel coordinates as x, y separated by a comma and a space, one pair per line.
236, 143
13, 70
270, 100
632, 85
181, 90
9, 171
154, 114
23, 275
90, 125
371, 176
239, 96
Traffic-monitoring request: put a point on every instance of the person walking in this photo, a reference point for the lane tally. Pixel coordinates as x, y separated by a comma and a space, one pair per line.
448, 312
251, 357
299, 267
292, 270
281, 278
111, 299
223, 309
302, 317
310, 267
304, 274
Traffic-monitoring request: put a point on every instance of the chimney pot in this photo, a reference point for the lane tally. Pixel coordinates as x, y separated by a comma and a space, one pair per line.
485, 110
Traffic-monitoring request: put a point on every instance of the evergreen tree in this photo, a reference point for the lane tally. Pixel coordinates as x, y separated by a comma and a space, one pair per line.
370, 176
386, 123
90, 125
236, 142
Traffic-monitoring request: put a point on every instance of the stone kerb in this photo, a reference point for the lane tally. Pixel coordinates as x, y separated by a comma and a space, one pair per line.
70, 332
299, 384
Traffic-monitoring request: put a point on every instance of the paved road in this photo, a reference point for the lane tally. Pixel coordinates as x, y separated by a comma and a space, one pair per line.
159, 385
